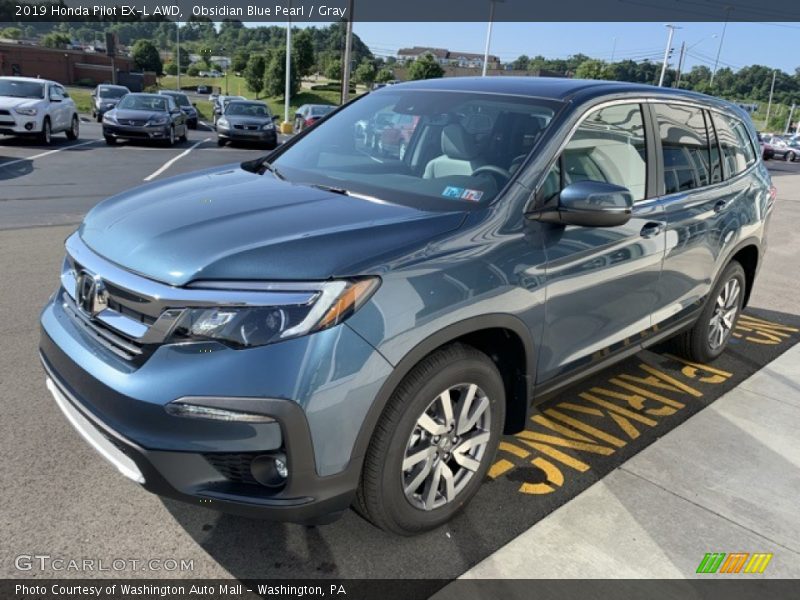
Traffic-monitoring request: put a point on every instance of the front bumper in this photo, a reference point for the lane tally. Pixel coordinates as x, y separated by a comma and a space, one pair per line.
203, 477
125, 132
243, 135
15, 124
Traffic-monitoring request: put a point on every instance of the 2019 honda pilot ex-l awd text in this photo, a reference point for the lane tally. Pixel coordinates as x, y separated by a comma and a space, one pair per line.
339, 327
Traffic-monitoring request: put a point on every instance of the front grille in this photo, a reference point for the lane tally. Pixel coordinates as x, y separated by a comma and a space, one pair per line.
234, 467
133, 122
113, 341
247, 127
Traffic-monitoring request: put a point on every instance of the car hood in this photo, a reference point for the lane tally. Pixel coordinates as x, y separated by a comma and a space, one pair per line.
8, 102
137, 115
229, 223
113, 101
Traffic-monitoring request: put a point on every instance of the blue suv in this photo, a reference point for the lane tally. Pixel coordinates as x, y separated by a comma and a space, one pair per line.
338, 324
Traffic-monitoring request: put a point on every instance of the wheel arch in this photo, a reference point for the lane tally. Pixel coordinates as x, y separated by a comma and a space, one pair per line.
503, 337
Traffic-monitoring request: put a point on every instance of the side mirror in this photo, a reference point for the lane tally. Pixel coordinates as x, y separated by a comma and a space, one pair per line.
276, 118
590, 204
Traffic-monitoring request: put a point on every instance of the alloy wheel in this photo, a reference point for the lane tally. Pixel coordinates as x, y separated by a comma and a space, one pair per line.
46, 134
446, 446
724, 316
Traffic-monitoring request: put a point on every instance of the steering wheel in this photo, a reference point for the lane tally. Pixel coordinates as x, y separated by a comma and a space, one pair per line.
495, 172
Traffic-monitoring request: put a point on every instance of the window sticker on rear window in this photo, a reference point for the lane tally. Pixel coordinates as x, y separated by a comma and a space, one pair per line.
462, 193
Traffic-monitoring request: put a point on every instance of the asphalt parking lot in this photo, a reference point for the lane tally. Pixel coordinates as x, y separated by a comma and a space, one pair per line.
61, 499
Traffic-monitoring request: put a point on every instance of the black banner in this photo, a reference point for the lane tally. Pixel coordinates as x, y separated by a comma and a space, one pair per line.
401, 11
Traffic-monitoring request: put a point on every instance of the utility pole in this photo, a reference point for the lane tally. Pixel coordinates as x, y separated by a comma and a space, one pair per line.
769, 104
488, 38
178, 51
789, 120
348, 47
721, 39
680, 65
672, 29
613, 49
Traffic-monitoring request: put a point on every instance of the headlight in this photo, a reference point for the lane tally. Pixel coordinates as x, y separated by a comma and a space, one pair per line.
222, 122
269, 125
248, 326
159, 120
29, 112
109, 118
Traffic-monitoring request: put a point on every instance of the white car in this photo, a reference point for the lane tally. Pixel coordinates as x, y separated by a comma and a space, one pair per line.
37, 107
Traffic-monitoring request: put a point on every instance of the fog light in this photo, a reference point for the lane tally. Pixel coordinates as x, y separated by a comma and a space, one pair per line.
270, 470
29, 125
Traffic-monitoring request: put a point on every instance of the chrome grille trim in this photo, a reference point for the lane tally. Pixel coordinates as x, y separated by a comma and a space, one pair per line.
117, 344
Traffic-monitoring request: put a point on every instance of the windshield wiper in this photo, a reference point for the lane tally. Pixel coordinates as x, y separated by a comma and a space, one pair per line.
255, 166
331, 188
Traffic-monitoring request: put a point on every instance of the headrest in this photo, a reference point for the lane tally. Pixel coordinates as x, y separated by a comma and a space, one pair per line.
457, 143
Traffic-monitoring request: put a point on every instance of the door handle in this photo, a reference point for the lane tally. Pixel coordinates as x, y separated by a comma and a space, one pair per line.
651, 229
720, 205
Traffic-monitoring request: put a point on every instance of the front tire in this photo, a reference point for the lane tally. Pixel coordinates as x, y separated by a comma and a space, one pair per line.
74, 129
110, 140
709, 336
790, 156
46, 136
434, 442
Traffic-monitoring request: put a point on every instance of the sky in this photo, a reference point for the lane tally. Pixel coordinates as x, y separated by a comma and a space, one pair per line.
770, 44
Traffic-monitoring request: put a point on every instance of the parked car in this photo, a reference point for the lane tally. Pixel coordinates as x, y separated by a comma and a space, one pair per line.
203, 89
247, 121
183, 102
220, 102
308, 114
153, 117
36, 107
105, 97
288, 338
784, 150
767, 152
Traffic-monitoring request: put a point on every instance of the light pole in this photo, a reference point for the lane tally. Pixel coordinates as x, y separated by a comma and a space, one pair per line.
769, 104
721, 40
287, 86
348, 47
488, 36
178, 51
672, 29
684, 50
613, 49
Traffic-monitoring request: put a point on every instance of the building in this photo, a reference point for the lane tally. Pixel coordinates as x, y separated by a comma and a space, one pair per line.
444, 57
68, 67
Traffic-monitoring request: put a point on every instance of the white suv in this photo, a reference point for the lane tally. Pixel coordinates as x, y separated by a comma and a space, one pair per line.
36, 107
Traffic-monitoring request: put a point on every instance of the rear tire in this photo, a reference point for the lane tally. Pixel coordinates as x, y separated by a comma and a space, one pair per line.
790, 156
710, 334
405, 494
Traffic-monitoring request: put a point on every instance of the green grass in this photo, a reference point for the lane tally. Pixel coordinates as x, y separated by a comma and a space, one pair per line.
82, 98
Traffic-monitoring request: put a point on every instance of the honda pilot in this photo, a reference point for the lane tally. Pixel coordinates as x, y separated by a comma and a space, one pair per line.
332, 326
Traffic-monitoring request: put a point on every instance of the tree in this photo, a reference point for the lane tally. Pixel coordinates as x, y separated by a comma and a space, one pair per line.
334, 70
56, 40
521, 64
384, 75
366, 73
171, 68
254, 73
192, 71
205, 54
275, 75
239, 61
425, 67
11, 33
303, 50
592, 69
145, 57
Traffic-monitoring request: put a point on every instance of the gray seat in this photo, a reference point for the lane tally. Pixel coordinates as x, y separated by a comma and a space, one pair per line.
459, 154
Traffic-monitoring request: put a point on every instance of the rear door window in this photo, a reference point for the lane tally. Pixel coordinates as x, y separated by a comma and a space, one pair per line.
684, 146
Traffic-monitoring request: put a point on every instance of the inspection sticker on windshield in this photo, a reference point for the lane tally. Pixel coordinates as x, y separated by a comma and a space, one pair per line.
463, 193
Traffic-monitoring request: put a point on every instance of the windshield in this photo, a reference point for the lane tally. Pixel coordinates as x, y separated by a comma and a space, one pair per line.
246, 109
180, 99
21, 89
109, 92
148, 103
415, 146
319, 111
